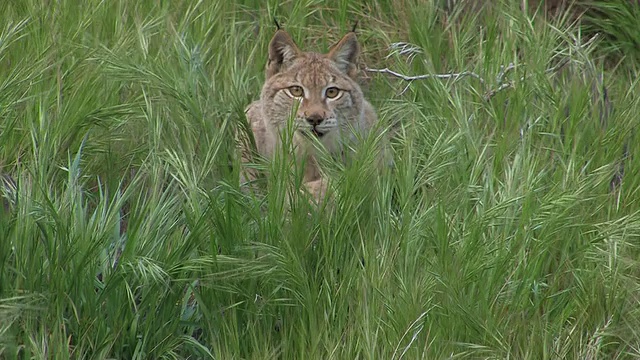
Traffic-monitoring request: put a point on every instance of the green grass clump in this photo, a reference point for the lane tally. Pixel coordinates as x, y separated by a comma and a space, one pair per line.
508, 228
618, 22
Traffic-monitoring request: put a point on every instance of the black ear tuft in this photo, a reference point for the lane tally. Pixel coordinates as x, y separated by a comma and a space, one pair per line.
353, 29
276, 22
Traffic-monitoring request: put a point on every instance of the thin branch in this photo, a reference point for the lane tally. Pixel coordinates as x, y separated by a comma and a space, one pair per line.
501, 85
491, 93
454, 76
503, 72
507, 85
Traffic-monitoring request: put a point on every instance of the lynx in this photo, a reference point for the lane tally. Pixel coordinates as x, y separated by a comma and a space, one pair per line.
319, 94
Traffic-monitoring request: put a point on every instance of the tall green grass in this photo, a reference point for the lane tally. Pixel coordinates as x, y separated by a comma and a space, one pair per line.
508, 228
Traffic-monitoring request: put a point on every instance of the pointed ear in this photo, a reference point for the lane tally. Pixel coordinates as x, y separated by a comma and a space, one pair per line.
282, 51
345, 54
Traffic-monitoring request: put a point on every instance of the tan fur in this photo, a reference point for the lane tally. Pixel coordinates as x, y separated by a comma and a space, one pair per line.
334, 120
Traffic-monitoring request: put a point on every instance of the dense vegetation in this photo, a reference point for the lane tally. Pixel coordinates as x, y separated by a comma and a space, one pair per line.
509, 227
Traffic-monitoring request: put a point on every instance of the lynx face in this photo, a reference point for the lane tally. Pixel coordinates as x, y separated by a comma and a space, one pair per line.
318, 95
320, 88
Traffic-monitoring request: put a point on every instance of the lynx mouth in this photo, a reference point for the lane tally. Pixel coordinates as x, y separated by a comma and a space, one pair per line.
313, 131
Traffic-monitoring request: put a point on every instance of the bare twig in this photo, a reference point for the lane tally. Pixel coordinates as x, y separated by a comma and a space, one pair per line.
507, 85
501, 84
504, 71
491, 93
454, 76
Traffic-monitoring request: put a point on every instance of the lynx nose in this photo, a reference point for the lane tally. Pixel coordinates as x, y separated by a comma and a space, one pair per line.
315, 119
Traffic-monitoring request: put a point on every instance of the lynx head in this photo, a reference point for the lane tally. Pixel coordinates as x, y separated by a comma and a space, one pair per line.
321, 86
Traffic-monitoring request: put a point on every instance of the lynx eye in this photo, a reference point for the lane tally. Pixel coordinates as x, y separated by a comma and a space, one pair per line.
332, 92
295, 91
